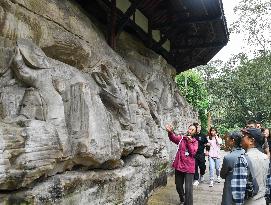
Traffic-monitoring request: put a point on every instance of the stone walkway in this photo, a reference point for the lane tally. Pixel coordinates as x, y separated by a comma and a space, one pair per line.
203, 194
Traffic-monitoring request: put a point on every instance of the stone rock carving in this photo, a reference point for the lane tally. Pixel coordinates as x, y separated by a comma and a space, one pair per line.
111, 94
32, 55
10, 101
81, 123
40, 79
33, 105
156, 89
59, 115
78, 117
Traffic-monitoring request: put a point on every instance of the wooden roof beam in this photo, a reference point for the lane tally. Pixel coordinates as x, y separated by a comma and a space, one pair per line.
162, 40
112, 19
193, 20
149, 42
126, 17
204, 45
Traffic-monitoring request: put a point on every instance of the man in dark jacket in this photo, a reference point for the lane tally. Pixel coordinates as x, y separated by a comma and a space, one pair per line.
200, 156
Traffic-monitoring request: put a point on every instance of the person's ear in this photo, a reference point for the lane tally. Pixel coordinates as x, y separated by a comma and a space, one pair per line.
252, 140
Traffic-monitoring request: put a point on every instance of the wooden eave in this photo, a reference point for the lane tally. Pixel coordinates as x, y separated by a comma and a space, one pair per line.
196, 29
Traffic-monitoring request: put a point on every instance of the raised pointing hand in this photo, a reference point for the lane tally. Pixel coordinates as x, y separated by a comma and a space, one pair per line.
169, 128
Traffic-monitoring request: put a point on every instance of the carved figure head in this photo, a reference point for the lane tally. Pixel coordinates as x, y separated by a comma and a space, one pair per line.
33, 56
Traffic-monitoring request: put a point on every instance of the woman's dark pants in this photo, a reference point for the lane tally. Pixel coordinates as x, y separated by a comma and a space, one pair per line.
185, 194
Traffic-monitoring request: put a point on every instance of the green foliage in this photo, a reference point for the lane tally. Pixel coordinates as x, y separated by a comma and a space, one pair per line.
192, 87
254, 23
239, 91
234, 92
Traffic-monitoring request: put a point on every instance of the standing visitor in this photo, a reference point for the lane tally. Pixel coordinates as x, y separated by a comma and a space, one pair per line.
258, 124
233, 142
251, 141
251, 124
200, 166
267, 141
214, 142
264, 144
266, 134
184, 162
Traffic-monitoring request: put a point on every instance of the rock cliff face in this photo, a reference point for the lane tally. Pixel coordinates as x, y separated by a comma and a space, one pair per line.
80, 123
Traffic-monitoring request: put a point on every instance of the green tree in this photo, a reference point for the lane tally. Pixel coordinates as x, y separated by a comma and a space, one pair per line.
192, 87
249, 88
239, 90
254, 23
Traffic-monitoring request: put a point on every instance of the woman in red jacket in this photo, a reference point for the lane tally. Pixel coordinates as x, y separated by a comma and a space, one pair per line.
184, 162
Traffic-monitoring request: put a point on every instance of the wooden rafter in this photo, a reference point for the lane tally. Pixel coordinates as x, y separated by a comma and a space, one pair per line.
126, 17
175, 23
202, 45
162, 40
192, 20
112, 19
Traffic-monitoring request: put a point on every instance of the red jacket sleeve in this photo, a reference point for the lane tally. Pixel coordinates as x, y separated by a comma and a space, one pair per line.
174, 138
192, 146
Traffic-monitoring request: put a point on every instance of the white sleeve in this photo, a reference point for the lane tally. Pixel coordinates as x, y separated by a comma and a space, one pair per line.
219, 140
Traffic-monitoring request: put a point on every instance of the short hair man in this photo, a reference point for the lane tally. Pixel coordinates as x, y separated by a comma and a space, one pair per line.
251, 141
251, 124
264, 144
258, 124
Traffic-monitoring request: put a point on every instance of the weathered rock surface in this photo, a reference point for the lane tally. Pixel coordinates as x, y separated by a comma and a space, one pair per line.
80, 123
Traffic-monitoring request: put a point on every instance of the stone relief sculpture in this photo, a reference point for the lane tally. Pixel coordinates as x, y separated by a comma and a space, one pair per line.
111, 94
59, 114
62, 104
33, 105
78, 119
31, 67
154, 101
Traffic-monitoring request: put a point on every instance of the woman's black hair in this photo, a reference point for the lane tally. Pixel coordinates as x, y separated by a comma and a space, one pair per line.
237, 136
196, 124
209, 133
269, 136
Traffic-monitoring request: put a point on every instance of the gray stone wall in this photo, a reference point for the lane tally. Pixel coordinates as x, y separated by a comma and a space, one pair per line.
81, 123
